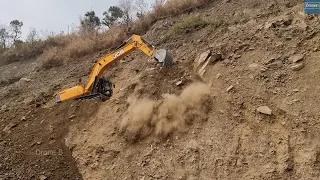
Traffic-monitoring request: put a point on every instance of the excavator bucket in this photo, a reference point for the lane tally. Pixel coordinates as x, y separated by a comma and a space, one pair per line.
163, 57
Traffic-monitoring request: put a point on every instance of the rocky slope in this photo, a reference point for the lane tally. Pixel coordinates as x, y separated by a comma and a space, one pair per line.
259, 118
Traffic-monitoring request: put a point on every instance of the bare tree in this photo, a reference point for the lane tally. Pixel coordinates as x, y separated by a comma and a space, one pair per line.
127, 7
16, 30
4, 37
33, 36
141, 7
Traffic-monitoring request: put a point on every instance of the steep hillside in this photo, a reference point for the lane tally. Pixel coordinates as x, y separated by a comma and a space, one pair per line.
240, 102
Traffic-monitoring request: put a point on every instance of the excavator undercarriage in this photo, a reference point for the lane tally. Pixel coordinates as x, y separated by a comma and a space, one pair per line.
103, 90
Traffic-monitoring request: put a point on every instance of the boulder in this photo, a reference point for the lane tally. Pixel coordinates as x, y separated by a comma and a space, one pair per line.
203, 57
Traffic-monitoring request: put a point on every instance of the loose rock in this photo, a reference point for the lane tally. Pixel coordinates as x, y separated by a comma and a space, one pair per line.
296, 58
218, 76
253, 65
295, 90
215, 57
72, 116
264, 110
179, 83
25, 79
230, 88
42, 177
203, 57
9, 126
275, 65
297, 67
3, 107
23, 118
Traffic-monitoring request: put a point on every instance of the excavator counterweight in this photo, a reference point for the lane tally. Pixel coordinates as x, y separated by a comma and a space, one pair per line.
100, 88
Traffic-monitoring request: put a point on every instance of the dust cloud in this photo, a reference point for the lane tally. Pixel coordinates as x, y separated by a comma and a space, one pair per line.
145, 116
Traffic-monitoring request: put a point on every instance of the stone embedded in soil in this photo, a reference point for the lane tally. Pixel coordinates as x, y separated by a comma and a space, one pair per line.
237, 56
264, 110
215, 57
179, 83
296, 58
42, 177
203, 69
23, 118
72, 116
9, 126
297, 67
295, 90
25, 79
3, 107
275, 65
230, 88
253, 65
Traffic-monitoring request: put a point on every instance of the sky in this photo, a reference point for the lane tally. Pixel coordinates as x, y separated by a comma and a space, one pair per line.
51, 15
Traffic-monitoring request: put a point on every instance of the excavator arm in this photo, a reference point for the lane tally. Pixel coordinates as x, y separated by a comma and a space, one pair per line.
97, 86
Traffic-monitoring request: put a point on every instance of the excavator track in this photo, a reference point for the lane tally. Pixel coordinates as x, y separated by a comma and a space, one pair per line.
91, 96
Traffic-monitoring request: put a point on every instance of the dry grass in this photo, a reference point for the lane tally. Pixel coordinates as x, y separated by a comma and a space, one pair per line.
51, 58
191, 22
61, 48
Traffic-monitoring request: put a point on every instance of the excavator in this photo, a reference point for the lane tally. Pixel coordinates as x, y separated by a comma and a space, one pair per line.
97, 86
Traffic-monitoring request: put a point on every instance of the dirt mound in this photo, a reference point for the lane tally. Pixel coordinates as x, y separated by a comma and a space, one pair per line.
162, 117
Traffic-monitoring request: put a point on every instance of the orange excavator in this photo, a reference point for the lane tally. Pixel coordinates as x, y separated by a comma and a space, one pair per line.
100, 88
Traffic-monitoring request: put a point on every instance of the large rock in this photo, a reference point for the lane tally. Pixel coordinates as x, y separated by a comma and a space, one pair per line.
296, 58
202, 58
264, 110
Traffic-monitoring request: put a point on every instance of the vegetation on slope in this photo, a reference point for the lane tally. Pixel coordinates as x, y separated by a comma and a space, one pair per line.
89, 39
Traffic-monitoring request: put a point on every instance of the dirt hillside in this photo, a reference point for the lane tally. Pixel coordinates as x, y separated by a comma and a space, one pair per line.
241, 101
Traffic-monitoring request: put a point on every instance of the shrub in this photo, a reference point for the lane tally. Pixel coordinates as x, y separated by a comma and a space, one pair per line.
191, 22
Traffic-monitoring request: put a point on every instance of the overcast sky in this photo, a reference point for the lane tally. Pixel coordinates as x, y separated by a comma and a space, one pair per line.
50, 15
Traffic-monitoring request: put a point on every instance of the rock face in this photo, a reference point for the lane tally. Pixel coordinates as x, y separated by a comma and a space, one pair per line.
264, 110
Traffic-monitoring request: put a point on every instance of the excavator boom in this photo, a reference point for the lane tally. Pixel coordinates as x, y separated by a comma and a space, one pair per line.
97, 86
